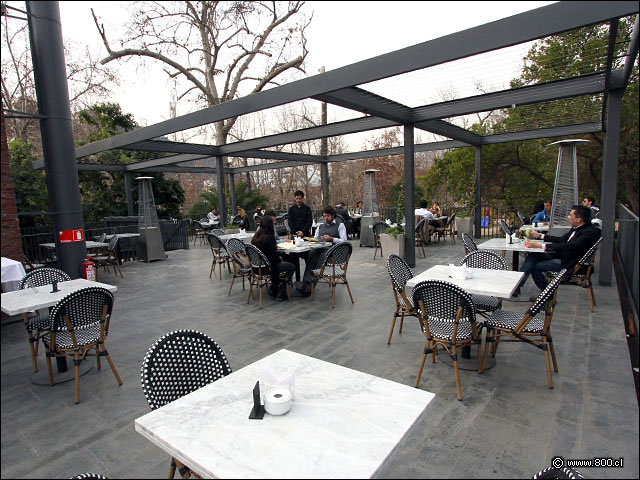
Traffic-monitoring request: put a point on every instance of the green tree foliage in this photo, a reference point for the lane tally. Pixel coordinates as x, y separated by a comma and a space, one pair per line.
103, 193
520, 173
247, 198
30, 185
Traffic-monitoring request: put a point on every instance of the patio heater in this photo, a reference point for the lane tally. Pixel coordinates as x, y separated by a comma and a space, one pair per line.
151, 246
370, 208
565, 189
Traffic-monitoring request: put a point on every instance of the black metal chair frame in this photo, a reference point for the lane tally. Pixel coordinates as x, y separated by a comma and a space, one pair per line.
79, 324
170, 370
400, 272
334, 270
469, 244
420, 240
447, 317
446, 229
41, 322
111, 259
529, 328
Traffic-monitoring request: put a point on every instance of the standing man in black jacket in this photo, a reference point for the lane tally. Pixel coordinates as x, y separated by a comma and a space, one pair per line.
562, 252
300, 216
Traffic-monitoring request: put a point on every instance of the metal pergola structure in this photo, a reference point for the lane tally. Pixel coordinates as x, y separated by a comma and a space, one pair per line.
343, 87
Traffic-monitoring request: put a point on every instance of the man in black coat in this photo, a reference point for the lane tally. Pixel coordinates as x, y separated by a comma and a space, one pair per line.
300, 216
561, 252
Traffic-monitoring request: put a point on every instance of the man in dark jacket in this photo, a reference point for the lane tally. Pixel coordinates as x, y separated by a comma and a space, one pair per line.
341, 209
300, 216
561, 252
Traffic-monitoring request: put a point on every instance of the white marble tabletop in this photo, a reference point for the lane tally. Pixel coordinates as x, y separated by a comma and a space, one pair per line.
342, 423
121, 235
90, 244
540, 228
29, 299
500, 244
496, 283
12, 273
240, 236
305, 247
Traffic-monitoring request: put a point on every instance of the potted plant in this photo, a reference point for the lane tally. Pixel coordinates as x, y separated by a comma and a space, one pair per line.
392, 241
464, 222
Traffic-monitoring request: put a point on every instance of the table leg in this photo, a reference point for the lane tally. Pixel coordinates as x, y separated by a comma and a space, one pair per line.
516, 261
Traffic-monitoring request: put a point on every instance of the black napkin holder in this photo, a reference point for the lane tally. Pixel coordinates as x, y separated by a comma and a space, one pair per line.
257, 412
55, 287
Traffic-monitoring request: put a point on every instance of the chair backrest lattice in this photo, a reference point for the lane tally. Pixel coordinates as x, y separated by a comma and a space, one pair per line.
399, 271
546, 295
469, 243
439, 303
179, 363
257, 258
484, 259
215, 242
113, 243
234, 246
338, 255
43, 276
589, 256
84, 307
420, 226
504, 227
217, 231
379, 227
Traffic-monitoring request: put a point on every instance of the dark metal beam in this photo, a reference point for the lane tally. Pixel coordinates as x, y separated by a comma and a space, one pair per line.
157, 162
545, 92
538, 23
270, 166
632, 53
423, 147
542, 133
477, 216
449, 130
331, 130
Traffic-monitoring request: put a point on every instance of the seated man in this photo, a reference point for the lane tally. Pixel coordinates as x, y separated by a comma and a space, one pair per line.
543, 215
341, 209
213, 216
329, 231
561, 252
589, 202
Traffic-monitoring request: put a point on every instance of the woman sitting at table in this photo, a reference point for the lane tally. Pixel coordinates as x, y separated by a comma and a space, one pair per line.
437, 212
265, 240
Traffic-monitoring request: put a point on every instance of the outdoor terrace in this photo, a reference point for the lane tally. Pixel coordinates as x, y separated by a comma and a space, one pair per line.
509, 423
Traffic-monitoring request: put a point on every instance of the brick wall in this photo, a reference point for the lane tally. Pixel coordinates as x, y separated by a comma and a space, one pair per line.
11, 243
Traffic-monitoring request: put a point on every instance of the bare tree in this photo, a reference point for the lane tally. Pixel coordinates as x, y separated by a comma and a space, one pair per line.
86, 79
219, 50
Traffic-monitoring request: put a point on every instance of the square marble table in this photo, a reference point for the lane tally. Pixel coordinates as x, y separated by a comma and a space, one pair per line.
89, 244
245, 237
30, 299
295, 251
496, 283
342, 423
516, 247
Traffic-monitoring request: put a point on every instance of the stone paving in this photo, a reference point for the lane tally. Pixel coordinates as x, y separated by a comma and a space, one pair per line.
509, 424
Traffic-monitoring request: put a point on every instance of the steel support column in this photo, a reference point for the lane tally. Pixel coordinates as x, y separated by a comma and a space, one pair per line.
128, 193
477, 216
409, 193
65, 203
232, 184
608, 189
222, 211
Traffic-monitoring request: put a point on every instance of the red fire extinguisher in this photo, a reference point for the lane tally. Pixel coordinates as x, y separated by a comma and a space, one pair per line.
89, 270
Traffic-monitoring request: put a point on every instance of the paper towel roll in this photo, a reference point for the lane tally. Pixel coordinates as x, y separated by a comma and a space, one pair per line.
277, 401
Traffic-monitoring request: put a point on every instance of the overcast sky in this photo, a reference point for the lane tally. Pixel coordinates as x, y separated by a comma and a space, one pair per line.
341, 33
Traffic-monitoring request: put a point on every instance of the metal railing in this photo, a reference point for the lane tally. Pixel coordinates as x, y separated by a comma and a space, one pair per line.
627, 244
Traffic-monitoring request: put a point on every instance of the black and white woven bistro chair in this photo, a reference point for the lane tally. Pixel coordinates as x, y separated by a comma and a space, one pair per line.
507, 326
581, 273
400, 274
216, 231
234, 247
178, 363
79, 326
40, 323
378, 229
469, 244
219, 254
504, 227
334, 270
446, 229
420, 239
261, 272
523, 220
89, 476
485, 304
110, 259
564, 473
448, 320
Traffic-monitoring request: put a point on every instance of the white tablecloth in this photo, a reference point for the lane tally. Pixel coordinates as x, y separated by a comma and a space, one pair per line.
12, 272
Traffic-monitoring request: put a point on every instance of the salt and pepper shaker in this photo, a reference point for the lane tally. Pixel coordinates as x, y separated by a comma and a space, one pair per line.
55, 287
